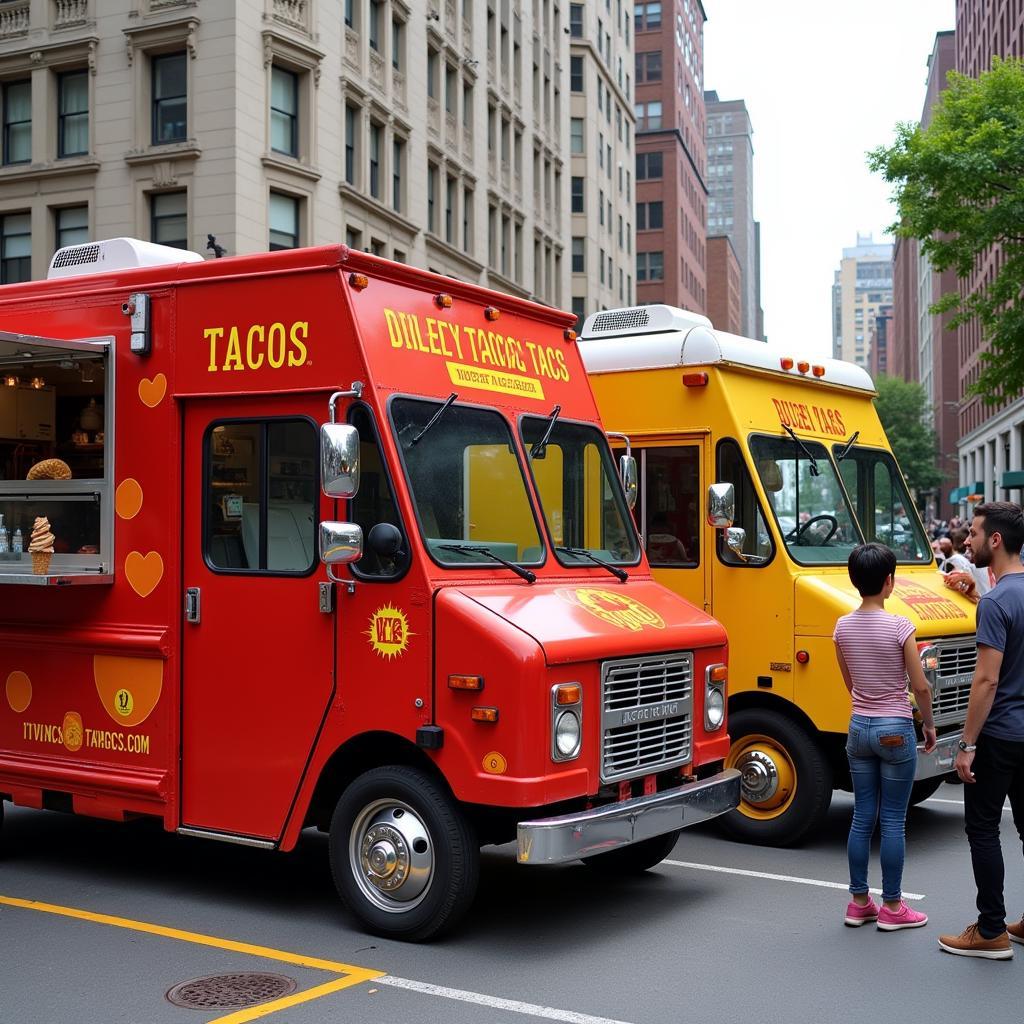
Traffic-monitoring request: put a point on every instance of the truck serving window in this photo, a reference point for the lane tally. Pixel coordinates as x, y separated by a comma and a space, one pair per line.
466, 483
261, 496
806, 498
668, 505
579, 492
881, 502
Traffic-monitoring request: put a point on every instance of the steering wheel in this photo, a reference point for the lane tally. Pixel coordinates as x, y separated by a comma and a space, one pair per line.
798, 531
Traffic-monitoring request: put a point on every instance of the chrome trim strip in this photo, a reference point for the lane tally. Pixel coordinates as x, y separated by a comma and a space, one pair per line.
226, 837
613, 826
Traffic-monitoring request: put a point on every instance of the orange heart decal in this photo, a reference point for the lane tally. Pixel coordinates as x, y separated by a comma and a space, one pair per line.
128, 687
19, 691
128, 498
152, 391
144, 572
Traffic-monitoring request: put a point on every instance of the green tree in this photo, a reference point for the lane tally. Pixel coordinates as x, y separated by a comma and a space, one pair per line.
905, 414
959, 188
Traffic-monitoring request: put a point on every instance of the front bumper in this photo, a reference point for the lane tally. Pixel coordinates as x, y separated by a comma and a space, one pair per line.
574, 836
940, 760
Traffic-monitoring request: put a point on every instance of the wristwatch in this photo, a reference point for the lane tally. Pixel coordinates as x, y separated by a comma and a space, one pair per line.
967, 748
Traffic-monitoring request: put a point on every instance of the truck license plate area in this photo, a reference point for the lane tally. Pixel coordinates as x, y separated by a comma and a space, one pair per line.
646, 714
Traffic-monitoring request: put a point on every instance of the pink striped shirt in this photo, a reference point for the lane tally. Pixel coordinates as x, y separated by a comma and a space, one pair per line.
872, 645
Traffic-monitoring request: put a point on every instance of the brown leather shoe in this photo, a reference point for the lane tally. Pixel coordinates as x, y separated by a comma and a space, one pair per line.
970, 942
1016, 931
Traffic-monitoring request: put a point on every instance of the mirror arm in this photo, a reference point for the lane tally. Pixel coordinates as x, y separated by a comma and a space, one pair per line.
621, 437
355, 391
347, 582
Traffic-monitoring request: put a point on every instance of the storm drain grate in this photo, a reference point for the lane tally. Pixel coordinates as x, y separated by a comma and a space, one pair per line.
231, 991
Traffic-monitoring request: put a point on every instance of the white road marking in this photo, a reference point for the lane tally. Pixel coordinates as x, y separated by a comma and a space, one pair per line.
776, 878
495, 1002
957, 803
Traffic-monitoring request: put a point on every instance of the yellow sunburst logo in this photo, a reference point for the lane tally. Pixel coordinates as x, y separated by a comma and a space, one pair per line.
389, 632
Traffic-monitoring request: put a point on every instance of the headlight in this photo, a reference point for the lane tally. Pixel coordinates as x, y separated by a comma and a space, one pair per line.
715, 678
567, 734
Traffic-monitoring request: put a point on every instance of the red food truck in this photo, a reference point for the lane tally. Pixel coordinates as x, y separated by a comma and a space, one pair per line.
313, 539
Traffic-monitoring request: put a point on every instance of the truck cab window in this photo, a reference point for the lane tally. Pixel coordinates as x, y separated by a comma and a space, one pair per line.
374, 504
261, 494
670, 506
757, 547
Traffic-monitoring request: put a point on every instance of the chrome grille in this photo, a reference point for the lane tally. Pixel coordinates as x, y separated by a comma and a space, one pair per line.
957, 658
646, 714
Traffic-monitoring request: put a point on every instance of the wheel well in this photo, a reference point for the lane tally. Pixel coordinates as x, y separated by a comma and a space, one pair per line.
833, 745
361, 754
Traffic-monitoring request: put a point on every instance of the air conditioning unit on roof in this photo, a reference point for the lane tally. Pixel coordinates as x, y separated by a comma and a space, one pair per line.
115, 254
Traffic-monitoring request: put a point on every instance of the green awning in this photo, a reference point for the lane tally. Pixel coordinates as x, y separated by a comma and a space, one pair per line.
1013, 478
978, 487
957, 495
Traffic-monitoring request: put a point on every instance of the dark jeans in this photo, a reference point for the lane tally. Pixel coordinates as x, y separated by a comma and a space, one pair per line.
999, 770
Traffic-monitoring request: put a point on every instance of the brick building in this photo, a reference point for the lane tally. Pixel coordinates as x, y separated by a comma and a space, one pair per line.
725, 285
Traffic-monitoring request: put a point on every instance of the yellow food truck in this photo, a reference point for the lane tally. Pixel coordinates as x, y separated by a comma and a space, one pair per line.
798, 447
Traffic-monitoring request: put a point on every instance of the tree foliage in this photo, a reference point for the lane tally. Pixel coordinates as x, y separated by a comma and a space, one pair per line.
959, 188
905, 414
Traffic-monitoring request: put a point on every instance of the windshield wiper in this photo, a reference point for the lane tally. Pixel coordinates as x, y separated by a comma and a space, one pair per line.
620, 574
845, 450
480, 549
814, 465
437, 415
539, 448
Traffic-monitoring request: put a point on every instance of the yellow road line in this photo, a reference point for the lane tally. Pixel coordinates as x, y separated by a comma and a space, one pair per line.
353, 975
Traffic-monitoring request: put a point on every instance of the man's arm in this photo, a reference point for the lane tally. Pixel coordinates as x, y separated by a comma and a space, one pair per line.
983, 693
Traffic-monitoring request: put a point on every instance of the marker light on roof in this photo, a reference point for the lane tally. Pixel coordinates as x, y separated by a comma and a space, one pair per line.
570, 334
443, 300
358, 281
803, 366
818, 371
786, 363
492, 313
695, 380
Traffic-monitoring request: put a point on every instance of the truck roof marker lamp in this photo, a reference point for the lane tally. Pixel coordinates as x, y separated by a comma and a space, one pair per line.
818, 370
695, 380
492, 313
786, 363
569, 334
443, 300
358, 281
803, 366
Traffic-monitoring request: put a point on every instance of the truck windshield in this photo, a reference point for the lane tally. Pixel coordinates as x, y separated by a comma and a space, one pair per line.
467, 484
580, 493
881, 502
807, 499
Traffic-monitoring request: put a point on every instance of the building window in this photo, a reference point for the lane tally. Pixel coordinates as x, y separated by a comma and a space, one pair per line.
376, 8
450, 88
350, 13
579, 260
18, 122
648, 115
433, 71
170, 105
15, 248
376, 140
576, 135
648, 165
650, 266
168, 219
432, 198
579, 307
576, 21
72, 113
576, 74
284, 111
467, 221
449, 210
577, 195
649, 216
648, 66
354, 238
647, 17
397, 44
284, 221
397, 167
72, 225
351, 140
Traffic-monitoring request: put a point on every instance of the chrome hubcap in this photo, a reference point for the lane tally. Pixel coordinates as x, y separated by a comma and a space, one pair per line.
759, 776
391, 855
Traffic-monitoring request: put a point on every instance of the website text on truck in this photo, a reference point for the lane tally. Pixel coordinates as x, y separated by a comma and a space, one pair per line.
801, 443
483, 658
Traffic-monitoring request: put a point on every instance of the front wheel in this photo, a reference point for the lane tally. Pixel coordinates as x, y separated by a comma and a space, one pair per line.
786, 780
403, 855
924, 788
634, 859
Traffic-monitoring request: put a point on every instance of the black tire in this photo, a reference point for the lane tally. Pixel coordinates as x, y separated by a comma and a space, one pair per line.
436, 854
635, 859
925, 788
809, 797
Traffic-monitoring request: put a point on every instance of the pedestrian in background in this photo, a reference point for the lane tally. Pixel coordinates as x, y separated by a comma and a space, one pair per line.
877, 652
991, 757
960, 571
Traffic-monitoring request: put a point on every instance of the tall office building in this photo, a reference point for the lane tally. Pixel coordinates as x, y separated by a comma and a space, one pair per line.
601, 156
730, 149
725, 285
431, 132
671, 193
863, 284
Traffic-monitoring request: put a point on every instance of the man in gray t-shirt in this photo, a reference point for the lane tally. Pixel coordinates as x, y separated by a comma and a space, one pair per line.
991, 758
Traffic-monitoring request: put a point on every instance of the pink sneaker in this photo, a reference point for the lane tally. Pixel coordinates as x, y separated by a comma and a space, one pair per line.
857, 915
894, 920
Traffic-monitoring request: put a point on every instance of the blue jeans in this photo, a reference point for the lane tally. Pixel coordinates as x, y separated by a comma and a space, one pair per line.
883, 758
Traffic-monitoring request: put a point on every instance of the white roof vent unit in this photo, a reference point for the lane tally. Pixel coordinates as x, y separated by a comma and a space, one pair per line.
655, 319
115, 254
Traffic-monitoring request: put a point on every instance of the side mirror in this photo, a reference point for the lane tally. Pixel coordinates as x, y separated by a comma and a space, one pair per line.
340, 543
721, 506
627, 470
735, 538
339, 460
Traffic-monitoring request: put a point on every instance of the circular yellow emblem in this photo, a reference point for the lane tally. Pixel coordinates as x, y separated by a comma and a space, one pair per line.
124, 704
389, 632
72, 732
494, 763
614, 608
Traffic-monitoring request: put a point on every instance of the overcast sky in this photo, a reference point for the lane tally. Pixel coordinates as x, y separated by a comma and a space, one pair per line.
823, 82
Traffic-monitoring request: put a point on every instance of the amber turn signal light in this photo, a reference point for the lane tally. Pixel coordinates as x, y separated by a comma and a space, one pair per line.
818, 371
695, 380
568, 693
718, 674
570, 334
786, 363
803, 657
358, 281
443, 300
803, 366
484, 714
492, 313
465, 682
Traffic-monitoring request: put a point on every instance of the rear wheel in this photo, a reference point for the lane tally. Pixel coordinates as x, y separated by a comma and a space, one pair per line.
404, 857
632, 860
925, 788
786, 780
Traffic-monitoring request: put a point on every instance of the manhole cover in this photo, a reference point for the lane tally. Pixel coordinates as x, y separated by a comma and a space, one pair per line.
231, 991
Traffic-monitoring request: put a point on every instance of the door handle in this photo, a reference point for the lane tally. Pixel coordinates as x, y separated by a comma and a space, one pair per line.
191, 604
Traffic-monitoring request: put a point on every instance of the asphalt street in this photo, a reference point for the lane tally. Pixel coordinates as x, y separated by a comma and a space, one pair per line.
98, 921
